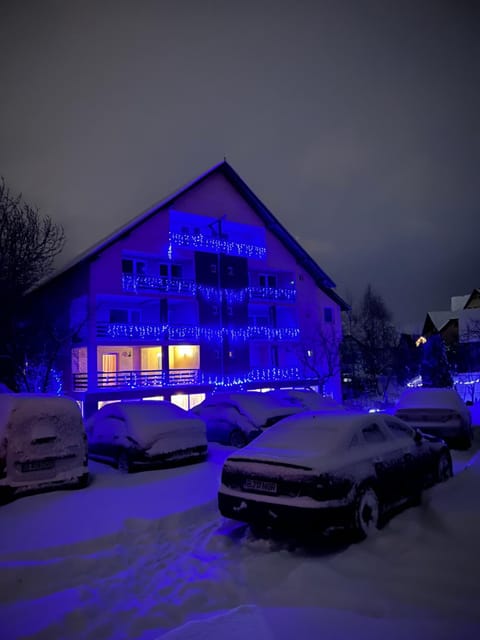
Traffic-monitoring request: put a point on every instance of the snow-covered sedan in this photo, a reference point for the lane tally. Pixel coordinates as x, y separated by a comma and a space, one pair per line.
145, 433
331, 470
440, 412
240, 416
307, 399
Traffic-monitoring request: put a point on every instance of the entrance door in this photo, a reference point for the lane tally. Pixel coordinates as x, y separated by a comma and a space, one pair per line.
110, 368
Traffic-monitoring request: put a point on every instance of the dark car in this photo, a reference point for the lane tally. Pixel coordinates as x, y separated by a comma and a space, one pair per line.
145, 433
440, 412
331, 470
240, 416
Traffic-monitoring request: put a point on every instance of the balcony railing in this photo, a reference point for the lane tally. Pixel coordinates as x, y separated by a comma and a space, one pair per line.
164, 332
183, 377
182, 286
131, 282
272, 293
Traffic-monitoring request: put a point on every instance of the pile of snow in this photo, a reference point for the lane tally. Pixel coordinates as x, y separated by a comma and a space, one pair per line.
115, 561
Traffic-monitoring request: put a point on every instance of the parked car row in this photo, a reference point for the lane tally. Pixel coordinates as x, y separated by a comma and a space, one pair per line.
302, 458
45, 443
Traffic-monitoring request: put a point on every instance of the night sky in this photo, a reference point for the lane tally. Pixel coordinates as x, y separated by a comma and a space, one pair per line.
355, 122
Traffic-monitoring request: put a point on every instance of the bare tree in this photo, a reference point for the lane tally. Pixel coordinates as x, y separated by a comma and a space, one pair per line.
29, 244
318, 354
371, 332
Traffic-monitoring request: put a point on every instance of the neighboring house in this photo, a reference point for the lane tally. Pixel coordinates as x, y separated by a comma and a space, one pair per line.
206, 289
459, 328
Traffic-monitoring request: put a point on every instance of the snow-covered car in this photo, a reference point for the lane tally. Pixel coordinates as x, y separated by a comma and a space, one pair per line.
440, 412
237, 418
42, 444
307, 399
327, 471
145, 433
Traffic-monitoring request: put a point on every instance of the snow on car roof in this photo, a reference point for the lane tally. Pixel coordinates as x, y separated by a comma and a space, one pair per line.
307, 398
429, 397
259, 407
26, 405
148, 411
320, 430
146, 418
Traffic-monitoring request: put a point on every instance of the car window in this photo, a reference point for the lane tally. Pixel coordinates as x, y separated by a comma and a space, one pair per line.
399, 430
373, 433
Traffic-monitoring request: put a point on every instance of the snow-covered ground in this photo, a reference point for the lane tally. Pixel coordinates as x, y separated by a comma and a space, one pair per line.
147, 555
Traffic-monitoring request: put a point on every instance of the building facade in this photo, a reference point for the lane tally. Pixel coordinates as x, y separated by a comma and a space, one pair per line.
206, 289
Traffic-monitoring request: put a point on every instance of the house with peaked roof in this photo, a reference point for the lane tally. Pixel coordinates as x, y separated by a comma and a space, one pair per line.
206, 289
459, 328
460, 323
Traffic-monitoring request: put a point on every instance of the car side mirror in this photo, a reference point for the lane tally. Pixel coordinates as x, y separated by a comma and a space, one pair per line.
418, 437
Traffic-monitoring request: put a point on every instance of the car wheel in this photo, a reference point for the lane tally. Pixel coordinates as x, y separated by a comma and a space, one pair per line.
444, 467
6, 495
238, 439
464, 443
124, 464
367, 513
83, 481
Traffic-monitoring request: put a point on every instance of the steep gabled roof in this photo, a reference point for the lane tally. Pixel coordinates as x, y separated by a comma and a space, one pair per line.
458, 302
441, 318
272, 224
473, 297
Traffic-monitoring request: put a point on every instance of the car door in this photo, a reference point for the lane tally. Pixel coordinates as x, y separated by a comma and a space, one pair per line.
417, 456
386, 455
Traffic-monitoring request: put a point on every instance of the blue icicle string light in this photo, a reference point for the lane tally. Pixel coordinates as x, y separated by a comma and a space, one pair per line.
209, 334
134, 282
201, 242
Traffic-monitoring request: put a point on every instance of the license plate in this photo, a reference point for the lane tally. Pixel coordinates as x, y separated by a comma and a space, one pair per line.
37, 465
260, 485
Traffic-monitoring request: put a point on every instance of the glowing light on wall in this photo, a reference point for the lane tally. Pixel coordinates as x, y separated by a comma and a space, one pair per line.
421, 340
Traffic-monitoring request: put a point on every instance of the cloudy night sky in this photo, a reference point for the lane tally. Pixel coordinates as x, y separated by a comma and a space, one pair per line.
355, 122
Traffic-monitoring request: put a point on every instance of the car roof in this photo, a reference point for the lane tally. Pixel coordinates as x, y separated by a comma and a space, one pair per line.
429, 397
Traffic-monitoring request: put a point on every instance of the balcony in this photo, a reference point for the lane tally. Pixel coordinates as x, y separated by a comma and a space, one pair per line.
165, 332
183, 377
131, 282
288, 294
